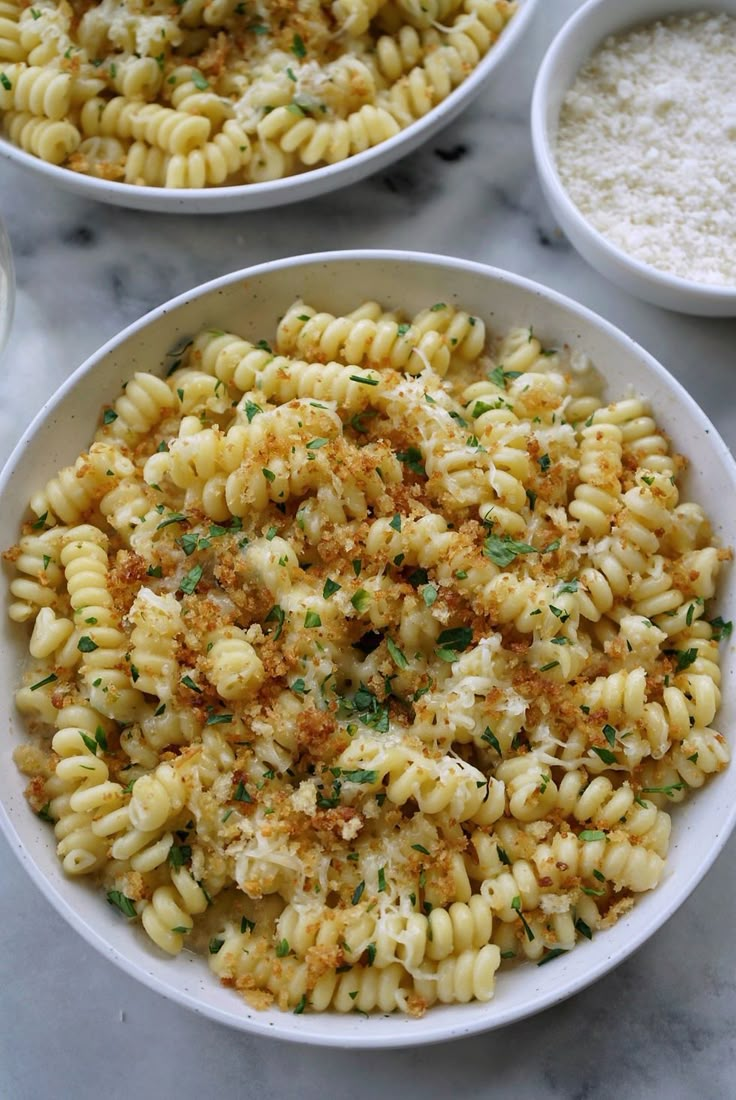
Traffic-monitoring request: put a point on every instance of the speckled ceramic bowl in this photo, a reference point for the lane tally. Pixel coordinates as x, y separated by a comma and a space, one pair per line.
250, 303
306, 185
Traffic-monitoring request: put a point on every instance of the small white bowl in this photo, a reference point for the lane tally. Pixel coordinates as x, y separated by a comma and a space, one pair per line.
305, 185
572, 47
251, 302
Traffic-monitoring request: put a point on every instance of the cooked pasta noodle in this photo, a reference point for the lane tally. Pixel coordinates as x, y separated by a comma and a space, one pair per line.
360, 659
207, 94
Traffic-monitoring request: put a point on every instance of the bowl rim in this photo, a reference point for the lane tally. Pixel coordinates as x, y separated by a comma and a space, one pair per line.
431, 1033
547, 165
301, 185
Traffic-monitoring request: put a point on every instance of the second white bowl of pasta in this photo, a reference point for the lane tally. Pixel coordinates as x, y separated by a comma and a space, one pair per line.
206, 108
373, 637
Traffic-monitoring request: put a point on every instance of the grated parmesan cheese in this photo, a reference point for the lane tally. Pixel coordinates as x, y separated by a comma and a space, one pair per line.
647, 145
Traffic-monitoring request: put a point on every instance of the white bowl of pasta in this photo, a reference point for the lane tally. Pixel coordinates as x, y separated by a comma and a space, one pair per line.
207, 108
369, 648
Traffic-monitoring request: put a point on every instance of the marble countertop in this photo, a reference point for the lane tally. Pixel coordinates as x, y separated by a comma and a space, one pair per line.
73, 1026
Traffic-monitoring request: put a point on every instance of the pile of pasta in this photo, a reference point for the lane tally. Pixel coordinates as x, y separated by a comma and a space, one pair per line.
368, 658
220, 92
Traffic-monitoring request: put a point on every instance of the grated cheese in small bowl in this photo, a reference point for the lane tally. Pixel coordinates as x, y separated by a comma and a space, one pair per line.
634, 125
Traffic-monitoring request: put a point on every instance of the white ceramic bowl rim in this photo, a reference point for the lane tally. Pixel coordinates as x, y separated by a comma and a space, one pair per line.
304, 184
431, 1031
548, 164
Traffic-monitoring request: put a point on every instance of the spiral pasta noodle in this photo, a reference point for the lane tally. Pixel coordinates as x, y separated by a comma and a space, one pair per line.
371, 655
11, 48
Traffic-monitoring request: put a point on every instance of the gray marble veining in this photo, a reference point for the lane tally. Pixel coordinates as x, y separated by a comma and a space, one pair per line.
73, 1026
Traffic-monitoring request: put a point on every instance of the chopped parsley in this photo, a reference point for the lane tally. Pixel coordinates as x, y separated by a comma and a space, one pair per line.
605, 755
241, 793
396, 655
502, 549
685, 658
360, 775
187, 681
592, 892
499, 376
591, 835
567, 586
121, 902
490, 738
190, 580
360, 600
276, 615
173, 517
516, 905
429, 594
89, 742
553, 954
583, 928
412, 458
367, 708
188, 543
453, 641
665, 790
179, 854
218, 719
721, 629
42, 683
610, 734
